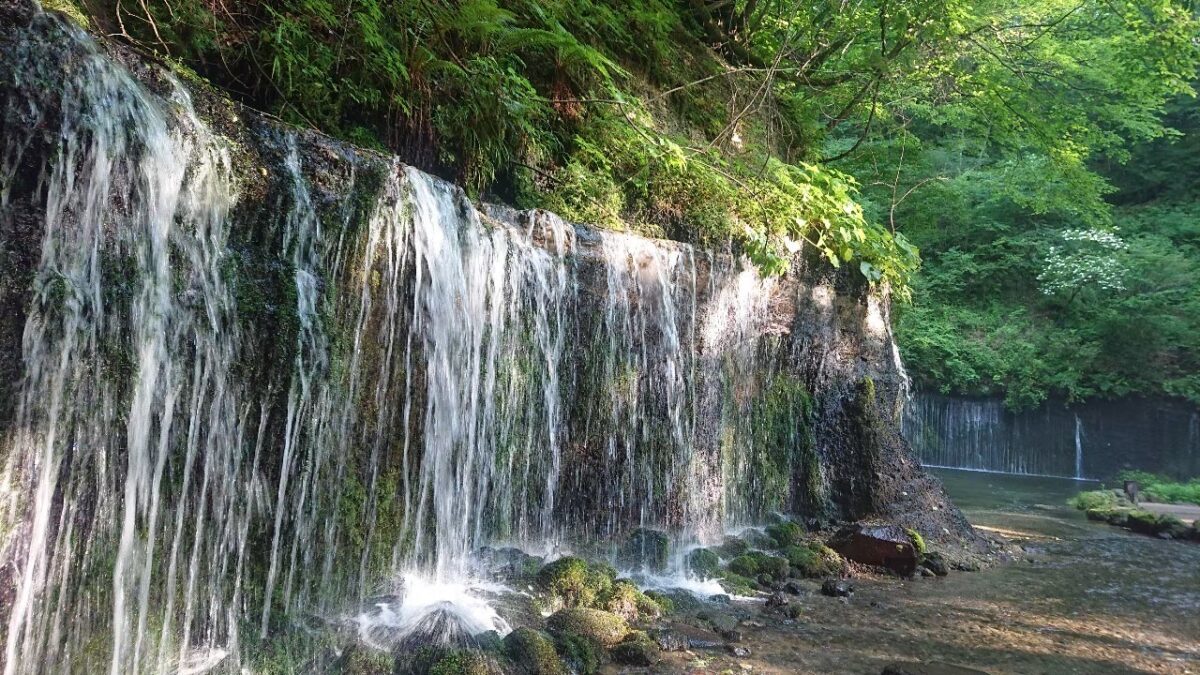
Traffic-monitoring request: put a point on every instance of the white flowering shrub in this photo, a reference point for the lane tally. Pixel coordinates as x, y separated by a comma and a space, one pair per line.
1085, 257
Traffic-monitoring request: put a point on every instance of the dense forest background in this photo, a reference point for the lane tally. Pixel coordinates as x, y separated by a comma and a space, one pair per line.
1041, 155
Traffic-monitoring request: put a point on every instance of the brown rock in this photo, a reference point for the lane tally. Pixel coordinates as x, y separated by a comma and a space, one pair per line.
879, 545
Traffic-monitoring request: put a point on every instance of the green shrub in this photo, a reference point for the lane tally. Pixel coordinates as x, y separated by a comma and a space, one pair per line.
1094, 500
1156, 488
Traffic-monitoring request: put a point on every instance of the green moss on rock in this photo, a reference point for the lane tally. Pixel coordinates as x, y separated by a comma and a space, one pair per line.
756, 562
532, 652
463, 663
627, 601
582, 656
603, 628
571, 582
732, 547
665, 604
736, 584
917, 540
702, 562
646, 549
786, 534
637, 649
814, 560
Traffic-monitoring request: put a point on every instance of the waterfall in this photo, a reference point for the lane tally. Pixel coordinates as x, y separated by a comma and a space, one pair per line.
1078, 448
1083, 441
128, 350
251, 396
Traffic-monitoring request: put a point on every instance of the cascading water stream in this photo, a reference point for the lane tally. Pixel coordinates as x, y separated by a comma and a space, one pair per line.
1078, 448
256, 395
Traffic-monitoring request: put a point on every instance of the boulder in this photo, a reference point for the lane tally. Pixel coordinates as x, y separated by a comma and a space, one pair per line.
532, 653
936, 564
786, 534
732, 547
837, 588
509, 564
886, 546
702, 562
627, 601
669, 640
645, 549
777, 600
603, 628
570, 582
360, 660
637, 649
814, 561
758, 539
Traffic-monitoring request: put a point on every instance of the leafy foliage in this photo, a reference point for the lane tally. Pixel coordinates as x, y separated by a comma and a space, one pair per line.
1084, 258
1164, 490
1001, 138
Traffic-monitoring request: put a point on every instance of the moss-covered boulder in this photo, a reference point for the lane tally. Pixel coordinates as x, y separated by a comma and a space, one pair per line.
645, 549
509, 564
571, 582
666, 601
744, 566
786, 534
814, 560
702, 562
1142, 522
627, 601
581, 655
759, 539
757, 563
732, 547
637, 649
532, 652
736, 584
603, 628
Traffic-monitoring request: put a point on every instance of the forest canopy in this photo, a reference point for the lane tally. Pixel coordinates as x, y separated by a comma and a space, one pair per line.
1039, 153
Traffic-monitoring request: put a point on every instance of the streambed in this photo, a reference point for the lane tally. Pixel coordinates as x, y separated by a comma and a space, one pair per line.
1087, 598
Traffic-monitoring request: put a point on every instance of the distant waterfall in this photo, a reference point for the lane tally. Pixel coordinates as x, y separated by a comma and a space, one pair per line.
1092, 440
1078, 447
222, 427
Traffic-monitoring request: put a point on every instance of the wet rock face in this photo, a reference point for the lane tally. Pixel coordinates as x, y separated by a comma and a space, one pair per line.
317, 305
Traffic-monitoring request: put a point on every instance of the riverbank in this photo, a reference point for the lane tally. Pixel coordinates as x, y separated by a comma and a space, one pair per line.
1188, 513
1087, 598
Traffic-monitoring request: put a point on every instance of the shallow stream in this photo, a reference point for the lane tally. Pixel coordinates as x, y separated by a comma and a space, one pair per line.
1087, 598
